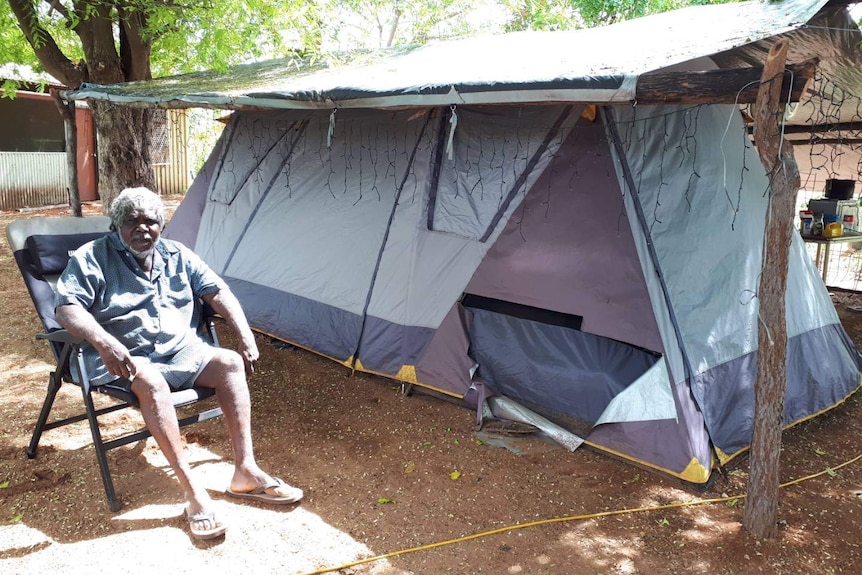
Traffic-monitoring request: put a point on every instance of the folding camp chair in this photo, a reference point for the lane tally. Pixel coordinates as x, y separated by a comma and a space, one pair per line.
42, 247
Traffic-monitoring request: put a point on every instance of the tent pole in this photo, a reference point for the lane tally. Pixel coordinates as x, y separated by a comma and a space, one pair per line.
611, 127
522, 178
267, 190
385, 240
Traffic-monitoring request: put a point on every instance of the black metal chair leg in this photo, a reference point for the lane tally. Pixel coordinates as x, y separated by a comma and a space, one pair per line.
101, 452
54, 384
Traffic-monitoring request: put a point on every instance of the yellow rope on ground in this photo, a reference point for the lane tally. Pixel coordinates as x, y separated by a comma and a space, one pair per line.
567, 518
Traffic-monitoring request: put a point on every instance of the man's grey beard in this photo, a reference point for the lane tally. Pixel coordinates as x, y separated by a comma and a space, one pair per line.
138, 255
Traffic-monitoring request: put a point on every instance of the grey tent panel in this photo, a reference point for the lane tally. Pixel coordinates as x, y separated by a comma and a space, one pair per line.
453, 208
568, 247
497, 154
822, 370
663, 444
680, 445
299, 320
386, 347
721, 196
445, 361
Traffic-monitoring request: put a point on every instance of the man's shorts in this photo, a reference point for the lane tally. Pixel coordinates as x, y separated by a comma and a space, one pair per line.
180, 370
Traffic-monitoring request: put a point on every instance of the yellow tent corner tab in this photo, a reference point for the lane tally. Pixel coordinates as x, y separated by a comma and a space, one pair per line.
695, 472
407, 373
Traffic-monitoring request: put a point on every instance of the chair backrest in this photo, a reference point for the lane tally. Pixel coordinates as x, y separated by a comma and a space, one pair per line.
42, 246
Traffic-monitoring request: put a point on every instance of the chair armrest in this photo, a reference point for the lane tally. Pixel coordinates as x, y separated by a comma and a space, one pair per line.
207, 326
208, 311
61, 336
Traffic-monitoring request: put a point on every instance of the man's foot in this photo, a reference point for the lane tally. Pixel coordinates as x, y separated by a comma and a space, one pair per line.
205, 526
274, 491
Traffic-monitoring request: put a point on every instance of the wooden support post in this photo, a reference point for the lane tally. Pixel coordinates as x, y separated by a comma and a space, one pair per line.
723, 86
760, 517
67, 110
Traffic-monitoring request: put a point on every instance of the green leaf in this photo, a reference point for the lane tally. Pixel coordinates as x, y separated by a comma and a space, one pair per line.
454, 475
831, 473
384, 500
9, 89
4, 485
480, 442
17, 519
663, 522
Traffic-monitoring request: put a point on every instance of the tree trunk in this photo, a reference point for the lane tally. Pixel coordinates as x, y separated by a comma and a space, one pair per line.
123, 134
776, 154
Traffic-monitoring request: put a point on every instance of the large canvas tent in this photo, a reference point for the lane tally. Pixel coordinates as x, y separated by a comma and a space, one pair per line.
424, 218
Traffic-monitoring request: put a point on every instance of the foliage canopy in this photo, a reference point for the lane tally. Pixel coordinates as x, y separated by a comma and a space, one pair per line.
189, 35
184, 35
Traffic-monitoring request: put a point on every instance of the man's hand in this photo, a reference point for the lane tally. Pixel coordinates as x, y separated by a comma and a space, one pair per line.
117, 359
226, 305
79, 322
248, 351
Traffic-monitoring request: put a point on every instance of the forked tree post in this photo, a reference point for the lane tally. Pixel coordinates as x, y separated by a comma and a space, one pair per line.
70, 128
761, 506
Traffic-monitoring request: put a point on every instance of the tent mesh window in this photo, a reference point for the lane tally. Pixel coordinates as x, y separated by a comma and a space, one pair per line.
487, 157
356, 156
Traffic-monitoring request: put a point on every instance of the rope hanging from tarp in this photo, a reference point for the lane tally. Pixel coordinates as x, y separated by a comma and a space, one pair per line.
331, 131
453, 123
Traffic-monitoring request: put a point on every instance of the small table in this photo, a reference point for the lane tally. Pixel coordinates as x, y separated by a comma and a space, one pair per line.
824, 244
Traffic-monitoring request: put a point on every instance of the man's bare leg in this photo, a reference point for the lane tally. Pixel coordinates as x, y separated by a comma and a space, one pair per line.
161, 419
226, 374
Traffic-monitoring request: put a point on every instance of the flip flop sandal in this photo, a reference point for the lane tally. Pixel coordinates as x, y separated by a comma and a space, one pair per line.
203, 534
259, 493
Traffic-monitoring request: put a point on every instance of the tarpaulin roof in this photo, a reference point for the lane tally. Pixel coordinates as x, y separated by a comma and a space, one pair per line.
588, 65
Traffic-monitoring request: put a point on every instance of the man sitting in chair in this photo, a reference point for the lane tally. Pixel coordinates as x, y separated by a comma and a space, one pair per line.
132, 296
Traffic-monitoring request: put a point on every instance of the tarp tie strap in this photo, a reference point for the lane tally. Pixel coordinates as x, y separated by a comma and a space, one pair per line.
453, 123
331, 131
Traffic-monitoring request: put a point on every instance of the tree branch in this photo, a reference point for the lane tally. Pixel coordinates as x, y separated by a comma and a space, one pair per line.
56, 5
134, 50
45, 47
96, 31
724, 86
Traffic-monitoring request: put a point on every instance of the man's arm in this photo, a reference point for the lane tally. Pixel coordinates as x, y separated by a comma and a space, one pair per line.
80, 323
226, 305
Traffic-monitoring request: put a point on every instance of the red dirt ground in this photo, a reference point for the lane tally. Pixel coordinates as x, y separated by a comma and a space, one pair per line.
378, 470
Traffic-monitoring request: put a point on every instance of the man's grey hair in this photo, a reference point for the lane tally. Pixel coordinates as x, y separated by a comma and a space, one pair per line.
132, 199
